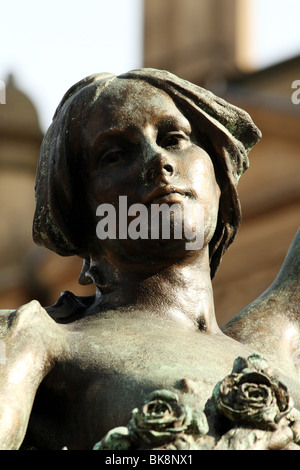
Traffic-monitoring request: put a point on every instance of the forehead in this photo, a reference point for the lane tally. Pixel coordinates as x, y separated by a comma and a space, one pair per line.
132, 103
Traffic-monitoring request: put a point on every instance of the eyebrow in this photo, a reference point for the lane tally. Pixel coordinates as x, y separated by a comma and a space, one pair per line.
170, 121
110, 134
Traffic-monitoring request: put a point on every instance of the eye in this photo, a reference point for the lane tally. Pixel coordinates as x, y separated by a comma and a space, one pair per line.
111, 157
176, 139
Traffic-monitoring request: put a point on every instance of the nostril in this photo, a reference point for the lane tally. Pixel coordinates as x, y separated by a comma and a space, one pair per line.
158, 168
168, 168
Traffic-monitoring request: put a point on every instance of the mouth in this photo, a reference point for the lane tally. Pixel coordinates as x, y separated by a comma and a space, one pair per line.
165, 194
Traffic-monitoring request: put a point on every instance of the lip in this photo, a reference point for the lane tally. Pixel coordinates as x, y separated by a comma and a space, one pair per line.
165, 192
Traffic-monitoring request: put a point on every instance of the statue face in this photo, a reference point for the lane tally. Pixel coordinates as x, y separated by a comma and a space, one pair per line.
139, 145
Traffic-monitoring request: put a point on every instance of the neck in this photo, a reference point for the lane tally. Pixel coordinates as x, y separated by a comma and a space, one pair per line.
180, 291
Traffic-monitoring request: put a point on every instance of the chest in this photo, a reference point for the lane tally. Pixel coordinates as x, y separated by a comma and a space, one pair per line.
111, 367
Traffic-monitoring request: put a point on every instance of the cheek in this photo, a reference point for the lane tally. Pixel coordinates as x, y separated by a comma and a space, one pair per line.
107, 186
206, 192
203, 180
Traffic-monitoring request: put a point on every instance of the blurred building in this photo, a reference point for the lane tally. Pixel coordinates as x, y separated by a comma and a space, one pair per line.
194, 39
26, 271
20, 139
201, 41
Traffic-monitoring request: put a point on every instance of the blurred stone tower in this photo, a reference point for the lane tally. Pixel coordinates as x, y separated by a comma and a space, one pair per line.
20, 140
26, 271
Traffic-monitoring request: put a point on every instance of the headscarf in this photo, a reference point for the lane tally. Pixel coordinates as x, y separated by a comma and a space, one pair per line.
61, 222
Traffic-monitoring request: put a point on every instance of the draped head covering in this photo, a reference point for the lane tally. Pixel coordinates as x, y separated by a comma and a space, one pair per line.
61, 221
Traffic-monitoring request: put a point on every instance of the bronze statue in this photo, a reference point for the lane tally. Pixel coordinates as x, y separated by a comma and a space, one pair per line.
147, 343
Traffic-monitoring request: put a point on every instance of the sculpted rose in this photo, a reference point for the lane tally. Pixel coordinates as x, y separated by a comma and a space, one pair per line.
162, 418
253, 398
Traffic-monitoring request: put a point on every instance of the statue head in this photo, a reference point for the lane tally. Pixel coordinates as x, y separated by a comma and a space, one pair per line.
83, 151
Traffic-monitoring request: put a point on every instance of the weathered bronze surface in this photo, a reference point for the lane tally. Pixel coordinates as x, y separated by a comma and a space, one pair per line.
143, 363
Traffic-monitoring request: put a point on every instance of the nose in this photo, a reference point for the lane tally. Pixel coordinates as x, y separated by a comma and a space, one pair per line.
160, 168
